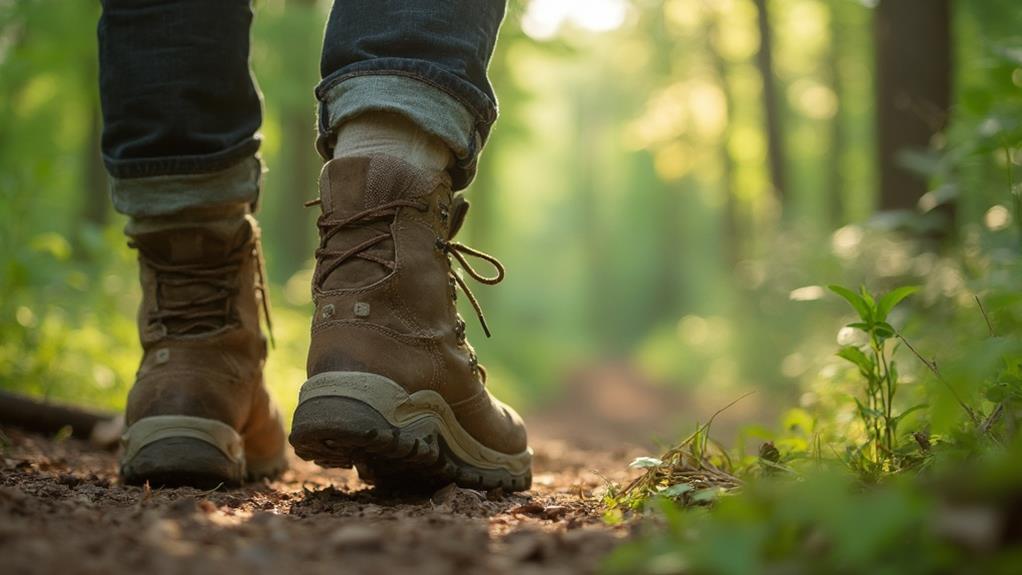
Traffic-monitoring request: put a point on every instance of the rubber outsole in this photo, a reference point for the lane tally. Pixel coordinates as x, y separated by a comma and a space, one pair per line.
181, 461
344, 432
182, 450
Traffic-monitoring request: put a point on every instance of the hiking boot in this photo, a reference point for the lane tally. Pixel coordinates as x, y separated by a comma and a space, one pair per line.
394, 388
199, 413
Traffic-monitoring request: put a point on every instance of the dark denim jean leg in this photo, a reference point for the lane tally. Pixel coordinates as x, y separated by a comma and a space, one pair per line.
424, 60
181, 112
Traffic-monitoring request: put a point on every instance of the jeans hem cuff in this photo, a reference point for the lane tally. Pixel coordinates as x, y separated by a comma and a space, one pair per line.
183, 165
165, 195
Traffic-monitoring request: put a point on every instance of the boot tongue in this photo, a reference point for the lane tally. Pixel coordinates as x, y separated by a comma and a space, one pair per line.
189, 242
459, 209
352, 185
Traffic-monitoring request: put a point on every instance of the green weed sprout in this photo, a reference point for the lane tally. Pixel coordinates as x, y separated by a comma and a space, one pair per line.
880, 375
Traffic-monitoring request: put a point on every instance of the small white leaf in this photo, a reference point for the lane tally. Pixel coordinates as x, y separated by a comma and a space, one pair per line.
645, 463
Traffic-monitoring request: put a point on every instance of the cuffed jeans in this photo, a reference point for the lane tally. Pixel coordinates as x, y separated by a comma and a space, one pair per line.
181, 111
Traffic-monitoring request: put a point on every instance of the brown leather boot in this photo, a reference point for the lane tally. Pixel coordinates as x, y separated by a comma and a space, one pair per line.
199, 413
394, 388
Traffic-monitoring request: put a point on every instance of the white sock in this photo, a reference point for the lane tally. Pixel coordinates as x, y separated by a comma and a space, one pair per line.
393, 135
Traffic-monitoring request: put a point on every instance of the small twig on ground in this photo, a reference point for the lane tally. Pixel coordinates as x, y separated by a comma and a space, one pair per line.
214, 490
727, 407
989, 422
932, 366
986, 318
689, 463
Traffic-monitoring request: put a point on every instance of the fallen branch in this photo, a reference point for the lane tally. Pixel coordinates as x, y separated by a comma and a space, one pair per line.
101, 428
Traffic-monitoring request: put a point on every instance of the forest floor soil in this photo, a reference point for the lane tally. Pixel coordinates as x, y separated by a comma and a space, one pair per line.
62, 510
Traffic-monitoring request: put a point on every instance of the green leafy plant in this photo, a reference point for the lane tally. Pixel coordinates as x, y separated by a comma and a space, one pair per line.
827, 522
879, 372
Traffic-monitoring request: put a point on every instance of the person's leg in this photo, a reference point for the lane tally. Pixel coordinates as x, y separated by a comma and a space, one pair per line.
394, 387
425, 61
181, 115
180, 110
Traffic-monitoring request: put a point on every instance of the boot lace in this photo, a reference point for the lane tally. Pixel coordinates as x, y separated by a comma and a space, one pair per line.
461, 252
180, 315
330, 227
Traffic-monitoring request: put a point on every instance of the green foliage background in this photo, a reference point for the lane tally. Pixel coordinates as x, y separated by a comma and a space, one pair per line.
605, 189
626, 188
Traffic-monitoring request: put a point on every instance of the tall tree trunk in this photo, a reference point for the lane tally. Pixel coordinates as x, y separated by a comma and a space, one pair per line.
838, 138
481, 228
772, 112
96, 210
668, 292
594, 233
913, 89
298, 155
483, 193
731, 228
97, 206
668, 296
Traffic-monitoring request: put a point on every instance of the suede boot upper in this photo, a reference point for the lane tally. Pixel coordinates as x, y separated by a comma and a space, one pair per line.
199, 327
385, 290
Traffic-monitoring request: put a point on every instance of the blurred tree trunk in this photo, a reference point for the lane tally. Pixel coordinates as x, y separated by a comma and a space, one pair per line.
838, 138
97, 206
482, 228
292, 216
913, 90
731, 227
598, 275
97, 200
772, 112
479, 228
669, 283
293, 220
669, 289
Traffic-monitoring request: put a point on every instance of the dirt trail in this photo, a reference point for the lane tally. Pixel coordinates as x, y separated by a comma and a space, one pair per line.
63, 511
